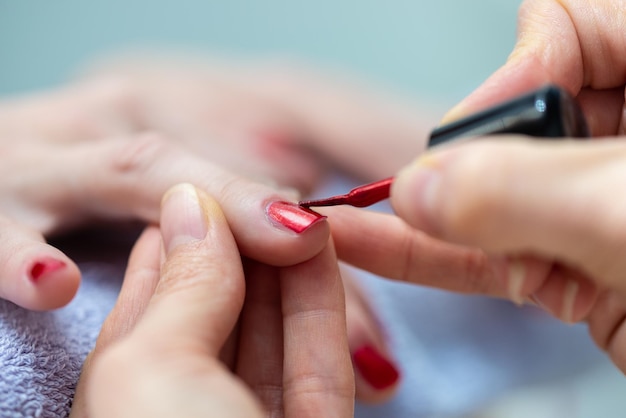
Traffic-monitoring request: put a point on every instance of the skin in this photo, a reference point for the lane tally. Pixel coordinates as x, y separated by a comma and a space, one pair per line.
181, 341
547, 217
108, 146
112, 124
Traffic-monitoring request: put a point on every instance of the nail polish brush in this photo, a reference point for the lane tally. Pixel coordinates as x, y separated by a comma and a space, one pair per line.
549, 113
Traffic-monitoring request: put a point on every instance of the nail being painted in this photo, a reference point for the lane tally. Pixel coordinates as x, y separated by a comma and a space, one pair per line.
292, 216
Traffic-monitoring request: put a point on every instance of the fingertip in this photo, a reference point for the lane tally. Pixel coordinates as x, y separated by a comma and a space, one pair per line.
292, 233
49, 280
567, 295
377, 375
415, 193
34, 274
201, 289
269, 226
183, 218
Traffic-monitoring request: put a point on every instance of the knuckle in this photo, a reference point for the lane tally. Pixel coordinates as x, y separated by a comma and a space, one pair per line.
121, 99
233, 188
479, 276
140, 154
410, 253
271, 394
308, 384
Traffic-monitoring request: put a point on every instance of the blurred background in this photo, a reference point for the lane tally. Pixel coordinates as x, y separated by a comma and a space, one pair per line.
440, 49
436, 52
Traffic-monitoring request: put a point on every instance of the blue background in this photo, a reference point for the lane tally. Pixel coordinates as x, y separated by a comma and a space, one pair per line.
439, 50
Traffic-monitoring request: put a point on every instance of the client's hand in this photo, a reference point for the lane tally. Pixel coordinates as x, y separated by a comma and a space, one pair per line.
71, 156
48, 186
173, 345
87, 158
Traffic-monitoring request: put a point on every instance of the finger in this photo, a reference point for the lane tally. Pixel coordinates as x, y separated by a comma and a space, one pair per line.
74, 113
570, 43
346, 121
607, 326
318, 377
34, 274
140, 281
555, 199
201, 289
385, 245
566, 293
133, 174
260, 357
171, 355
223, 119
376, 375
317, 112
141, 278
604, 111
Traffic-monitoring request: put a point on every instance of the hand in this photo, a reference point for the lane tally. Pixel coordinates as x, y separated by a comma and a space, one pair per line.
284, 117
183, 340
87, 159
63, 186
551, 212
571, 43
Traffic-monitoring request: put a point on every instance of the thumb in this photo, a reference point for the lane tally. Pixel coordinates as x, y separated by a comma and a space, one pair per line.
556, 200
570, 43
34, 274
201, 290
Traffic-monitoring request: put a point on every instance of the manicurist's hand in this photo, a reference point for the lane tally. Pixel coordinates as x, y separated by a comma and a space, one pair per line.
190, 337
548, 218
575, 44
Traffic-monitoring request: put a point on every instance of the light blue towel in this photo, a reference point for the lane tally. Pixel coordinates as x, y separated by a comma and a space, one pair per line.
41, 353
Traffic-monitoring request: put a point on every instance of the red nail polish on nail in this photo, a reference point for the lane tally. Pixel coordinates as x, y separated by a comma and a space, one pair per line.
45, 266
379, 372
294, 217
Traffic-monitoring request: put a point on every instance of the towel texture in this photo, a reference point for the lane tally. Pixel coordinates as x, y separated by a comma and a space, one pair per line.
41, 353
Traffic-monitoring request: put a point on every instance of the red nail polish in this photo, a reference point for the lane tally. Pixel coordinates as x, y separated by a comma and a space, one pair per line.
379, 372
293, 216
45, 266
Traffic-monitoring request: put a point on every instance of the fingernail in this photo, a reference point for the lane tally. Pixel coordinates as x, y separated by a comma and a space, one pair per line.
292, 216
569, 301
45, 266
182, 218
516, 277
537, 301
379, 372
457, 112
